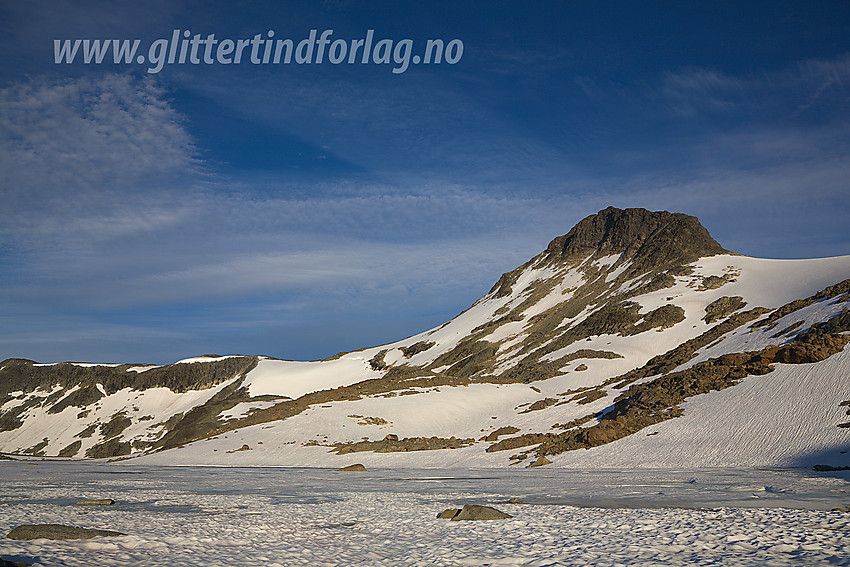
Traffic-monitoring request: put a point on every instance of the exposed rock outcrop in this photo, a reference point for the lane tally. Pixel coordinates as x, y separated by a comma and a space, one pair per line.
473, 512
650, 239
723, 307
540, 462
415, 349
506, 430
102, 502
57, 531
396, 445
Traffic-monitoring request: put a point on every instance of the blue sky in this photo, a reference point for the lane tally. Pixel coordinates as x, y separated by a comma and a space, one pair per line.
302, 210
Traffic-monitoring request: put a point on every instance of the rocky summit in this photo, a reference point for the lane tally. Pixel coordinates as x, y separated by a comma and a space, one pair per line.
635, 339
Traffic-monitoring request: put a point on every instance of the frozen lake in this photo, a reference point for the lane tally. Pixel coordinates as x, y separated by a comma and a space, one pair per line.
296, 516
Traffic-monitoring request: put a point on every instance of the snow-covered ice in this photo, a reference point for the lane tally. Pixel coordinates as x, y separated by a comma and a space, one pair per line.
300, 516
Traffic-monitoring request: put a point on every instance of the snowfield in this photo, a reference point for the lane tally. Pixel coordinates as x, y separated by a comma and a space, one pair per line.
185, 516
794, 423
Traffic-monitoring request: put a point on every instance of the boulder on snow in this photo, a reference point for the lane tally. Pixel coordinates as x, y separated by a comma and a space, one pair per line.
473, 512
57, 531
353, 468
103, 502
541, 461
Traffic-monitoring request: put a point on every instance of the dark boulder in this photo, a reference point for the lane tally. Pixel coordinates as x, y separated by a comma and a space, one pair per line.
473, 512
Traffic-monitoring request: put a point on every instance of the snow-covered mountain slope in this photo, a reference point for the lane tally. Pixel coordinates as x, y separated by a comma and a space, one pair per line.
634, 340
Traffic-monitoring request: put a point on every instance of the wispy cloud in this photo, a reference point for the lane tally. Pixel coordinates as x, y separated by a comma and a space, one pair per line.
89, 160
823, 78
114, 127
692, 91
80, 141
796, 88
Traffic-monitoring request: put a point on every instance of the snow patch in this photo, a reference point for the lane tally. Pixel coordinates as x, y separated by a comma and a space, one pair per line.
206, 359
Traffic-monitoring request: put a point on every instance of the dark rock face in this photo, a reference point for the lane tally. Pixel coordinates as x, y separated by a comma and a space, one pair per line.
37, 450
523, 440
79, 398
652, 239
57, 531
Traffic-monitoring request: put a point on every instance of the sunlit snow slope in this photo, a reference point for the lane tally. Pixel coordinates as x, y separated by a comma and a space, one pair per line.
634, 340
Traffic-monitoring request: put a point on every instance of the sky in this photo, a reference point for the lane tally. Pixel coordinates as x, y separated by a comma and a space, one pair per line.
154, 210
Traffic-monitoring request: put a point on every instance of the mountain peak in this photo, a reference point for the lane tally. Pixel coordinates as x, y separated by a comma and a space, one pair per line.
651, 239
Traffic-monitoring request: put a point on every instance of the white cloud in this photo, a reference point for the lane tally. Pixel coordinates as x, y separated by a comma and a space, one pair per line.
77, 142
86, 161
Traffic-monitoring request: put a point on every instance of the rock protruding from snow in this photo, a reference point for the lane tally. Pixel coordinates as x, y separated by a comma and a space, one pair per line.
57, 531
540, 462
357, 467
473, 512
723, 307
